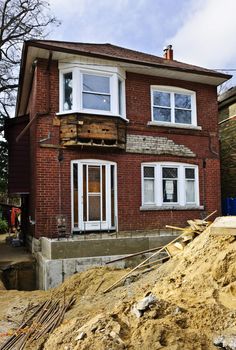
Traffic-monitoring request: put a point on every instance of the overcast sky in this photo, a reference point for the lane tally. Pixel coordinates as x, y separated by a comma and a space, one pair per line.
202, 32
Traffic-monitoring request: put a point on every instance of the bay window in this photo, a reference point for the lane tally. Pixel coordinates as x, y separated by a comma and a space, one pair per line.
170, 184
92, 91
171, 105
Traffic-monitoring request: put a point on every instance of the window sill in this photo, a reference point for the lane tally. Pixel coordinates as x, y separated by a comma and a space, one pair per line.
171, 207
92, 113
178, 126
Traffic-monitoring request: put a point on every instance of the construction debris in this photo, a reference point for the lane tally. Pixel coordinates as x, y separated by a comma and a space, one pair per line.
188, 303
44, 319
195, 228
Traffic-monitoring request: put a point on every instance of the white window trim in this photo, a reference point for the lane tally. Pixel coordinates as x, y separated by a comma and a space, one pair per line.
172, 90
114, 75
181, 193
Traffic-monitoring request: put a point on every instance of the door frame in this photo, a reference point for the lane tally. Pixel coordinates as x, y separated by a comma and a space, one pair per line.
92, 162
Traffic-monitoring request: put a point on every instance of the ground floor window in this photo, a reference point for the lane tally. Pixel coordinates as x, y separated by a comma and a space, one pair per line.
170, 184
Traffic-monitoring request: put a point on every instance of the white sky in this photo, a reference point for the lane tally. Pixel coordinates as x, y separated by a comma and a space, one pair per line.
202, 32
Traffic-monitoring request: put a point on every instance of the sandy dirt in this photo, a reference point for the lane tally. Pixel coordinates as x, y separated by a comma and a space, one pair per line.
194, 301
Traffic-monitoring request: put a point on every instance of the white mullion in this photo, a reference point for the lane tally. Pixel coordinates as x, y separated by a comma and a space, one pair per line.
80, 194
75, 87
108, 194
159, 185
172, 104
181, 185
197, 199
101, 194
87, 193
72, 196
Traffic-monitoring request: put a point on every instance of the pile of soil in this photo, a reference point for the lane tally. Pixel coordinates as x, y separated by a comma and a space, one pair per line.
185, 304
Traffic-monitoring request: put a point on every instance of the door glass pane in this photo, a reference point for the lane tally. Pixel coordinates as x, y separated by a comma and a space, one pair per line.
96, 101
112, 195
190, 191
67, 86
96, 83
94, 179
85, 192
75, 193
94, 208
148, 190
103, 193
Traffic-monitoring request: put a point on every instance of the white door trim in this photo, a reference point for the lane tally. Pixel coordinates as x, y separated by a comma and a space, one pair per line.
100, 225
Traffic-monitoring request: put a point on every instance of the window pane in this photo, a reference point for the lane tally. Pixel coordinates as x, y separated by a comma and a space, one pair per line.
190, 191
189, 173
170, 191
169, 173
183, 101
161, 98
93, 101
120, 96
96, 83
148, 191
182, 116
162, 114
148, 171
67, 83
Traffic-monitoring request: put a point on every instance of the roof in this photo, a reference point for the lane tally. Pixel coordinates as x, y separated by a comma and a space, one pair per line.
119, 53
132, 60
227, 97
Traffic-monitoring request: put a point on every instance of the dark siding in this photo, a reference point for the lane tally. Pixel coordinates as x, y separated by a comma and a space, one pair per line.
18, 156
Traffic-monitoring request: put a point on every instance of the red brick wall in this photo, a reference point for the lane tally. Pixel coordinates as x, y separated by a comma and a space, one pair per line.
50, 185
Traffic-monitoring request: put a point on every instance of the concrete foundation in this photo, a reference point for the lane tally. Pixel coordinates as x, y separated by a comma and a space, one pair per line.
59, 259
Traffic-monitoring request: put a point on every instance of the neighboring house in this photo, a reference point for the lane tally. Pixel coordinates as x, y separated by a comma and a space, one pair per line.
227, 129
114, 140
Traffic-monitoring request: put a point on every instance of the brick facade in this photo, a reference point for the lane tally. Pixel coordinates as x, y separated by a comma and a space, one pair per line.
50, 165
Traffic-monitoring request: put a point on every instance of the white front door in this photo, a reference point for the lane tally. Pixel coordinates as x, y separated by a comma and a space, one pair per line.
93, 195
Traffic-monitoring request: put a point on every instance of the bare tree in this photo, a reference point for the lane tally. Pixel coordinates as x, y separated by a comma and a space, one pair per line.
19, 20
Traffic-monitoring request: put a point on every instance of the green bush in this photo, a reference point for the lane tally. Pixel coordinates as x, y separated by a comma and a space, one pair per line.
3, 226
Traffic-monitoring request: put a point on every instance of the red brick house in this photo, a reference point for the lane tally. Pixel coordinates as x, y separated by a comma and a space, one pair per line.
113, 139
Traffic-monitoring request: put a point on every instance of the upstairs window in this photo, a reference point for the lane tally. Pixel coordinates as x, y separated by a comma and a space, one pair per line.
165, 184
173, 106
67, 91
96, 92
92, 91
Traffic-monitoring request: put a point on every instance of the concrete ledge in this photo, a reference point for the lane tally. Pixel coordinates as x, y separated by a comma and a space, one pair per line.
65, 249
224, 225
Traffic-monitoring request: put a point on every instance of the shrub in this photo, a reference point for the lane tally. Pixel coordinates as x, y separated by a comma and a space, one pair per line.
3, 226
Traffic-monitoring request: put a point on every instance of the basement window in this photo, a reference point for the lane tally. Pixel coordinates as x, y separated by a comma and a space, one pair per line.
169, 184
92, 91
171, 105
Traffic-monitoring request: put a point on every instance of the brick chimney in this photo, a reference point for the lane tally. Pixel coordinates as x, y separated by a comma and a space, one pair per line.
168, 52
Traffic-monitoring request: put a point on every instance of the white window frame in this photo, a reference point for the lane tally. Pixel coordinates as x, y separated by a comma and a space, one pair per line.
181, 189
114, 75
172, 90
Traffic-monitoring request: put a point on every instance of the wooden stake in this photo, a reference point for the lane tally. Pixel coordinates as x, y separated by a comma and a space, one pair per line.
142, 263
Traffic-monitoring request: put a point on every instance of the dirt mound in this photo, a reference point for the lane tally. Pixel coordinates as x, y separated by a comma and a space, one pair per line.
182, 305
